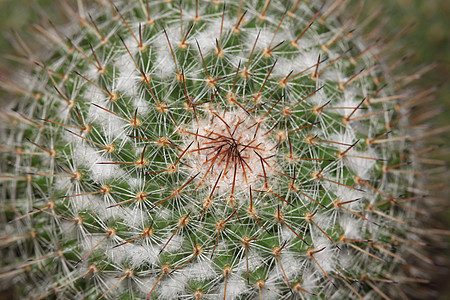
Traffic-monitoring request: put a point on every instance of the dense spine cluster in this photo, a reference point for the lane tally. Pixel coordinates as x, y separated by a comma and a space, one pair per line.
210, 150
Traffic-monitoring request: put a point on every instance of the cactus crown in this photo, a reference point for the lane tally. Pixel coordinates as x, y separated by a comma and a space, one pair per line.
207, 150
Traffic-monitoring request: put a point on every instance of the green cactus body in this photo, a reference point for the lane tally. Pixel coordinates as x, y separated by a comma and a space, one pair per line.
247, 150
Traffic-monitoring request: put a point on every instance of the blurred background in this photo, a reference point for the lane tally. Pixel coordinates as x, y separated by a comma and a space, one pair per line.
429, 39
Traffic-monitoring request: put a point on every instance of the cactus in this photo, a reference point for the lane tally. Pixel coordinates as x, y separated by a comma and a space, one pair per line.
210, 150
